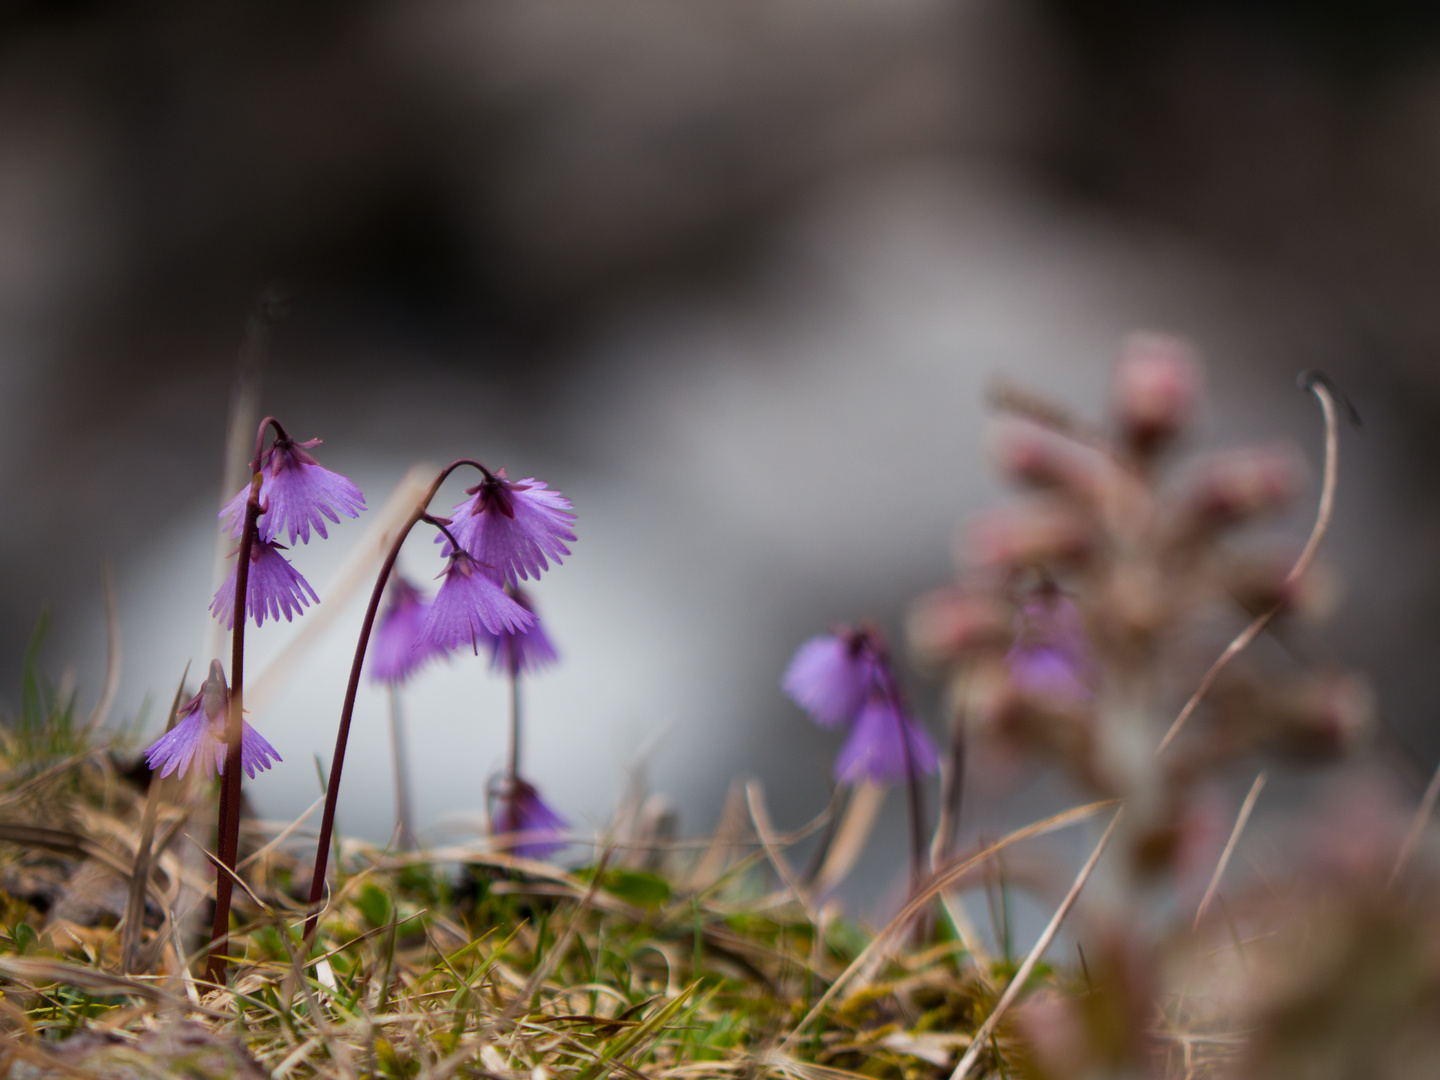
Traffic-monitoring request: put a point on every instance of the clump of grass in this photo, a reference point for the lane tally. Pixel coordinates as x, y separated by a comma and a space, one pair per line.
460, 961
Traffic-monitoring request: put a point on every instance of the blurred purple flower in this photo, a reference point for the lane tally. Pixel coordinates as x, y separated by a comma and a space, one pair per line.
886, 745
274, 587
512, 526
521, 810
296, 492
1051, 655
399, 649
527, 650
469, 607
200, 736
831, 675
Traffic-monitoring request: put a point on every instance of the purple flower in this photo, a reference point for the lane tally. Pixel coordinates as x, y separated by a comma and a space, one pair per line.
200, 735
512, 526
296, 492
886, 745
274, 587
522, 811
1051, 656
398, 649
469, 606
831, 675
527, 650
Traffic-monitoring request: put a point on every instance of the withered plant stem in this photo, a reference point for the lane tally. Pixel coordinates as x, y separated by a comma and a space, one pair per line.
981, 1038
1326, 510
347, 710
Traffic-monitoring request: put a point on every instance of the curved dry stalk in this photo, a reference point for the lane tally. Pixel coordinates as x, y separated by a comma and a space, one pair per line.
1417, 827
1325, 511
982, 1037
934, 887
760, 816
1241, 819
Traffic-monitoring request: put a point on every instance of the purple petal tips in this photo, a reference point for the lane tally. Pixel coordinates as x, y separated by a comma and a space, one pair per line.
399, 649
469, 606
274, 587
886, 745
513, 526
1051, 656
523, 813
199, 736
529, 650
831, 675
297, 492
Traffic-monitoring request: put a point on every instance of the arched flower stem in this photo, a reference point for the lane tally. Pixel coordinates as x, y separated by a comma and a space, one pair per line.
228, 825
347, 710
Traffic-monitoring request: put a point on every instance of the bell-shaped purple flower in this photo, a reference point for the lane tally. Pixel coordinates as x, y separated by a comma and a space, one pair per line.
830, 676
199, 736
399, 649
512, 526
516, 651
886, 745
1051, 656
523, 813
470, 606
273, 587
296, 493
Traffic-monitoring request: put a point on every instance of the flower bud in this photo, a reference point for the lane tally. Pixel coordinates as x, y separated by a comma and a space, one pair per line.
1037, 457
948, 623
1234, 487
1156, 387
1038, 534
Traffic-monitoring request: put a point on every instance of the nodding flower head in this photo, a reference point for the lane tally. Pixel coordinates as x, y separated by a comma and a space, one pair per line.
512, 526
199, 735
1051, 656
273, 586
526, 650
830, 676
521, 811
399, 648
296, 493
469, 607
886, 745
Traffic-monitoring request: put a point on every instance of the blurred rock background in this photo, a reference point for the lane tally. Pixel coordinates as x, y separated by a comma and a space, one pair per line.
732, 276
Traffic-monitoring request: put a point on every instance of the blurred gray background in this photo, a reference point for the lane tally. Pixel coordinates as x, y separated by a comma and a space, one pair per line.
733, 277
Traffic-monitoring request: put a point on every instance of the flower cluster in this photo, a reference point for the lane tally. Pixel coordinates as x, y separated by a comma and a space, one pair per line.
504, 532
296, 494
199, 735
844, 678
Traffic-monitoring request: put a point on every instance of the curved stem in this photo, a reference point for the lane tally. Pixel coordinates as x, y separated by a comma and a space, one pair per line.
1323, 514
347, 710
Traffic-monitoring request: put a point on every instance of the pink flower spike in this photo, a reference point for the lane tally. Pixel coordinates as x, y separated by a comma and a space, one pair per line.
199, 736
296, 492
398, 649
830, 676
529, 650
274, 587
469, 607
513, 526
886, 745
524, 814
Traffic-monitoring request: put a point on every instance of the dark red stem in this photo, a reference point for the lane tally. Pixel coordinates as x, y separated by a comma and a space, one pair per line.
228, 833
342, 736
